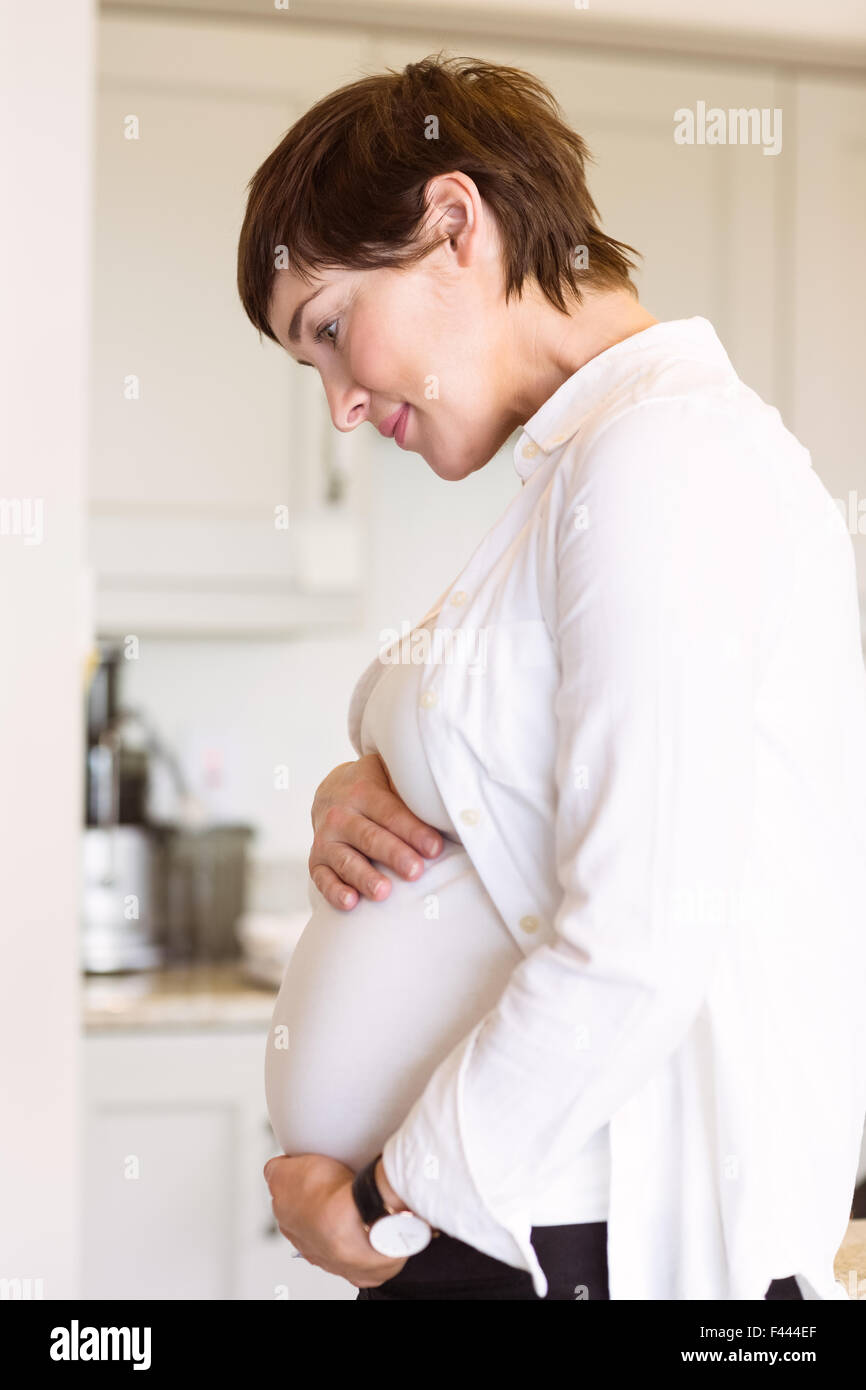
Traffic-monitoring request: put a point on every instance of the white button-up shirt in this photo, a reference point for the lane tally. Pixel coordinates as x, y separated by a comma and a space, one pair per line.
652, 738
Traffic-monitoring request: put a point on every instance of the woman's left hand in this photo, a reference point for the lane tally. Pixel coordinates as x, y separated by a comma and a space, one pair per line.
314, 1208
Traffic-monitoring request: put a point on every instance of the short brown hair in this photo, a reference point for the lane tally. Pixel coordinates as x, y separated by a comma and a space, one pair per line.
345, 186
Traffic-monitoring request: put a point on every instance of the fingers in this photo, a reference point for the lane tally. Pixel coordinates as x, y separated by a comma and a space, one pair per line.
386, 809
341, 861
333, 888
360, 867
367, 826
353, 876
365, 786
374, 839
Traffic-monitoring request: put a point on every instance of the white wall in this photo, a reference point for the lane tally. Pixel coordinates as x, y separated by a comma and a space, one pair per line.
45, 95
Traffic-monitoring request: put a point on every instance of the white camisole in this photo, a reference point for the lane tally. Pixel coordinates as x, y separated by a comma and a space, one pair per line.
375, 997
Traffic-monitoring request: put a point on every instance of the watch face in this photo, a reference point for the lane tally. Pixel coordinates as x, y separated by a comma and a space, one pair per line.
400, 1235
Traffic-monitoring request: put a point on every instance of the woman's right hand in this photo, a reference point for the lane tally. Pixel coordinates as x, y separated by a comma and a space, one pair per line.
357, 817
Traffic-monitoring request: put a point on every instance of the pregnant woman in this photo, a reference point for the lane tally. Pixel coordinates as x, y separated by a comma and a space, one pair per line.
370, 1005
561, 1053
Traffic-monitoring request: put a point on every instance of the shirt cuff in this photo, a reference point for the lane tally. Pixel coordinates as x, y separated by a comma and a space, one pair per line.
426, 1163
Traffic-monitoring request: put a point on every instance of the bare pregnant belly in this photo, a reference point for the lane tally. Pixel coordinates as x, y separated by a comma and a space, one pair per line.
374, 999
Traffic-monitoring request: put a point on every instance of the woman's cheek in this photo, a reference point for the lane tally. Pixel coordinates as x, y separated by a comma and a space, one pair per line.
371, 349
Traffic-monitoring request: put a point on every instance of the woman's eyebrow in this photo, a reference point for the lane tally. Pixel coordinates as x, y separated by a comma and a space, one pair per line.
295, 325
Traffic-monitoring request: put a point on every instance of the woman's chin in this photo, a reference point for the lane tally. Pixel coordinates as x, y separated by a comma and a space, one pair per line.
430, 458
445, 468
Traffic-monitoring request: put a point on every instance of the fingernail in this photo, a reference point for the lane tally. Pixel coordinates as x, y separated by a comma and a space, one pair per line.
430, 845
346, 898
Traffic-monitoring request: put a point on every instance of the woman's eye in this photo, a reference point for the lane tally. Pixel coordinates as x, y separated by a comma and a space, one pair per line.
321, 335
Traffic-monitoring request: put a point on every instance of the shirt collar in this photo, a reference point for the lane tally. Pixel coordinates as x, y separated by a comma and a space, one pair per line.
563, 413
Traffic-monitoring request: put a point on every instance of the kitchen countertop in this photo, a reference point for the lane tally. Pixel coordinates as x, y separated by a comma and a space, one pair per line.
211, 995
850, 1263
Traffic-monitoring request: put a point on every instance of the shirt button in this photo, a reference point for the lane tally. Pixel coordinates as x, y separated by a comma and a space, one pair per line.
470, 816
529, 923
428, 699
559, 438
459, 596
530, 450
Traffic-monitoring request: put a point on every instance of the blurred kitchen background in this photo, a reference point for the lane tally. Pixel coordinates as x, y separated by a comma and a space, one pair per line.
238, 557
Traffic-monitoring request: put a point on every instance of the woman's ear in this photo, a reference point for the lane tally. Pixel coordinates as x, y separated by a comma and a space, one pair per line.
453, 209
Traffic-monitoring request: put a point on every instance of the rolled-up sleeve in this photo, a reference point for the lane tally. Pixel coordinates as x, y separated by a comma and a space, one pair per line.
660, 583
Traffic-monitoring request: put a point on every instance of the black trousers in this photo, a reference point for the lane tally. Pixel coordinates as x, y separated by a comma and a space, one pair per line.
574, 1259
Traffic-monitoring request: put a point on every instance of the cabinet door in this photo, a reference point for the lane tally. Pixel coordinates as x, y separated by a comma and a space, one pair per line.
175, 1204
159, 1200
829, 412
199, 429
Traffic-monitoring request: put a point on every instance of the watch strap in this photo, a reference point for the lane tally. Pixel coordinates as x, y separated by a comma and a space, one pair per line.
368, 1198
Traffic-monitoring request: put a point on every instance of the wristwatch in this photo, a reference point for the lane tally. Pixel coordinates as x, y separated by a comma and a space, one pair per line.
394, 1233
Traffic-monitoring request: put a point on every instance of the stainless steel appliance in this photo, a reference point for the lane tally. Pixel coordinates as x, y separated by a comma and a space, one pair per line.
204, 872
123, 914
122, 927
154, 893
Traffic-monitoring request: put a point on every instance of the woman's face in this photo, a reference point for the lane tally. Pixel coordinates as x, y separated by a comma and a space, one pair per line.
433, 338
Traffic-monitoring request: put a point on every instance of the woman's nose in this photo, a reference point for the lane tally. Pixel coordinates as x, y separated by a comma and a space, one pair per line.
349, 406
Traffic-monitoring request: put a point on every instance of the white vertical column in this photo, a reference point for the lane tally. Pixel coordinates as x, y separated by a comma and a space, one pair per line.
46, 79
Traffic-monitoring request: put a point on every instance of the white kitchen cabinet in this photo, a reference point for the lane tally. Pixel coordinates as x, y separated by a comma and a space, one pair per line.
200, 431
175, 1204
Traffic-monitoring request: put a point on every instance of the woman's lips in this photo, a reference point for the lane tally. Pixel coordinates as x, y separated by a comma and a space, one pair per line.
388, 425
400, 427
